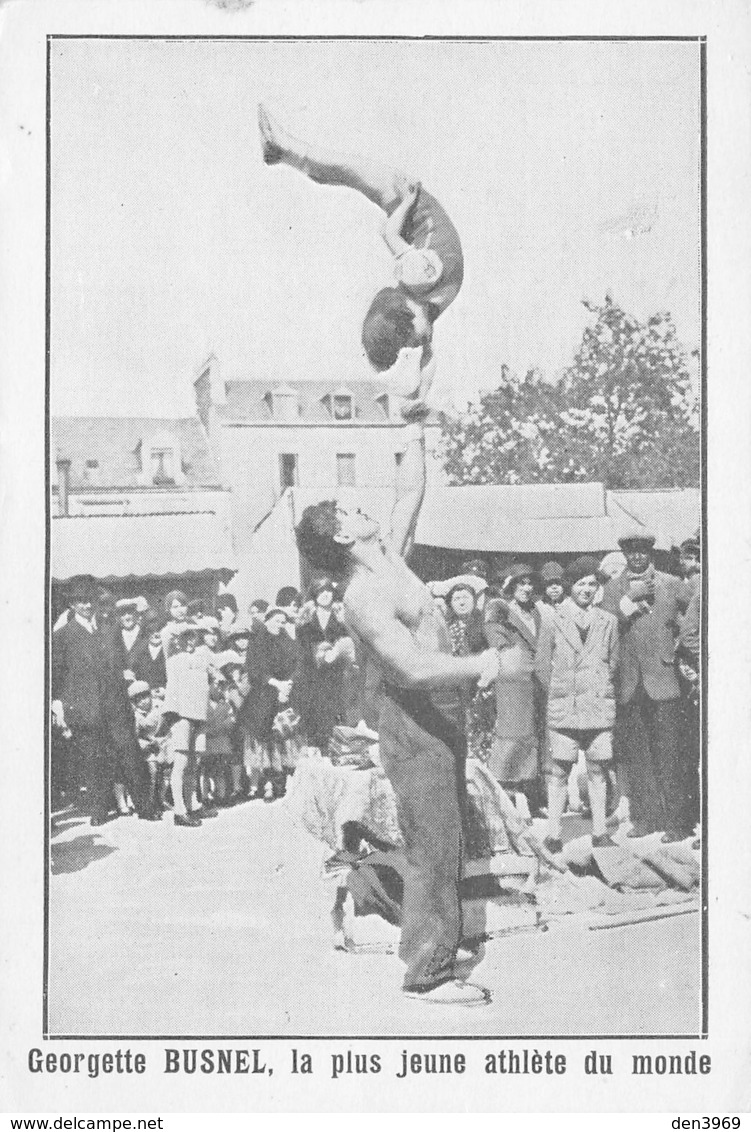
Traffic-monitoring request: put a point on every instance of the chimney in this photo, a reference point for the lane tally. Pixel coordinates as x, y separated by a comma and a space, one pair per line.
63, 485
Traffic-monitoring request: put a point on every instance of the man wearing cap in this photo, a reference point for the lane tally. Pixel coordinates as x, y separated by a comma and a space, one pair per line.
128, 635
648, 605
422, 745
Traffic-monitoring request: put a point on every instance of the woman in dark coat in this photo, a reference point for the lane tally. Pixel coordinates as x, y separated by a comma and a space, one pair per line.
325, 647
467, 633
272, 660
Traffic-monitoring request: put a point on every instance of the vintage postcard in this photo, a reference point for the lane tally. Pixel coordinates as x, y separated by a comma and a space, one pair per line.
374, 456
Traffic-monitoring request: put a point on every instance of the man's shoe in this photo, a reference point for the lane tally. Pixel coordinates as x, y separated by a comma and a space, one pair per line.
205, 812
100, 819
454, 993
150, 815
603, 841
187, 820
638, 829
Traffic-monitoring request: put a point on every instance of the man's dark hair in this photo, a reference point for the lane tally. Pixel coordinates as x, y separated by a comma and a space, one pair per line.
315, 538
226, 601
388, 327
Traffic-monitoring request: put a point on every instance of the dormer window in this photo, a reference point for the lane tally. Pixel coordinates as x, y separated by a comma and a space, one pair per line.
91, 472
342, 407
162, 460
285, 403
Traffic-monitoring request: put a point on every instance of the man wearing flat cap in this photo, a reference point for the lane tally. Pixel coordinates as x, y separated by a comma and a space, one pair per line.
648, 605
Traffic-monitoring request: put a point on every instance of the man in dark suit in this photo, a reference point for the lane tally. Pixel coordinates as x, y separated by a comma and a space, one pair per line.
648, 605
89, 697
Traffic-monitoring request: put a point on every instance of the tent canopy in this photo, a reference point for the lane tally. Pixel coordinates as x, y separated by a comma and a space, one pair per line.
140, 546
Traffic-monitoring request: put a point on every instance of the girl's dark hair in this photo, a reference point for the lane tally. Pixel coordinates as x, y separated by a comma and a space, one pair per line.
388, 328
173, 596
315, 538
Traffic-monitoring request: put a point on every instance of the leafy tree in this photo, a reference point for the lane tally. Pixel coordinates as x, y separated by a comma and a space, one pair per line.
622, 413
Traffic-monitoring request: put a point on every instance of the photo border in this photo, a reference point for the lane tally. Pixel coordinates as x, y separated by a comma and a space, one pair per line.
703, 1034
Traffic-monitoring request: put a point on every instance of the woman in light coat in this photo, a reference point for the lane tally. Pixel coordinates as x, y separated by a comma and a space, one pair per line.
576, 662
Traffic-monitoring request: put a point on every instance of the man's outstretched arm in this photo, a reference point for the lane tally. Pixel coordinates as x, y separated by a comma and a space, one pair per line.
407, 665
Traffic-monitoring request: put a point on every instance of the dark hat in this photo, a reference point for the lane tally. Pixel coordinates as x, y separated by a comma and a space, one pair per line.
81, 588
637, 536
551, 572
476, 566
582, 567
519, 570
196, 608
151, 620
260, 604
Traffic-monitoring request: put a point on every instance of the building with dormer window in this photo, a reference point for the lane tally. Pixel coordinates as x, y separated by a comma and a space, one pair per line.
273, 437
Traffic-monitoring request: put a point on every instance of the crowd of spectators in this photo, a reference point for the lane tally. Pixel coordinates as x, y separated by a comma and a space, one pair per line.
190, 710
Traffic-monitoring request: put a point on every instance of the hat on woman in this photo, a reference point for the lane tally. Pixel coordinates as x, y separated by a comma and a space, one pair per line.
228, 659
584, 567
612, 565
239, 629
551, 572
519, 570
462, 581
274, 611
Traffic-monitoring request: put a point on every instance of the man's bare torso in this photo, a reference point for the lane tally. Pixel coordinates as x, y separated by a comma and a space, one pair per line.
393, 591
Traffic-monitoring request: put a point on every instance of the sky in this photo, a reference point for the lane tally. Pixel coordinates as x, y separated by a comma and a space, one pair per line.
570, 169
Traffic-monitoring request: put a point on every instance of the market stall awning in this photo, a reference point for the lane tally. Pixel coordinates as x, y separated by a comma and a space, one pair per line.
517, 519
140, 546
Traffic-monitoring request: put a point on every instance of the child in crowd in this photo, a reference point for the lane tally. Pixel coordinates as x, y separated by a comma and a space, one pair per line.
225, 608
216, 785
148, 720
238, 687
176, 609
576, 662
185, 709
428, 260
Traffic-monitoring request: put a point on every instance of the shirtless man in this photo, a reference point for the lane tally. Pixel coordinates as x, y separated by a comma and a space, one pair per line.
422, 744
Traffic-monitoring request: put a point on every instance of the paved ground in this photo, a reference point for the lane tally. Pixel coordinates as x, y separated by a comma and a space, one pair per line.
224, 932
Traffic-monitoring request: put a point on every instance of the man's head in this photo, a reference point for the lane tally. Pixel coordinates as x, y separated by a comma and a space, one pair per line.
690, 552
257, 611
226, 610
638, 550
81, 597
327, 533
582, 581
289, 600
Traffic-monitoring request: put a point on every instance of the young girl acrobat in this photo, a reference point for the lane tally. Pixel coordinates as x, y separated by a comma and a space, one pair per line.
428, 262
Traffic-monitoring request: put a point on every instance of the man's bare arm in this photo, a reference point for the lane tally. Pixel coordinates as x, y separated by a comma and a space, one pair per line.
410, 491
409, 666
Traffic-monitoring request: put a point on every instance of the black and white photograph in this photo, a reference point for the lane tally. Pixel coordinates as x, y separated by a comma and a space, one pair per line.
376, 508
375, 538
